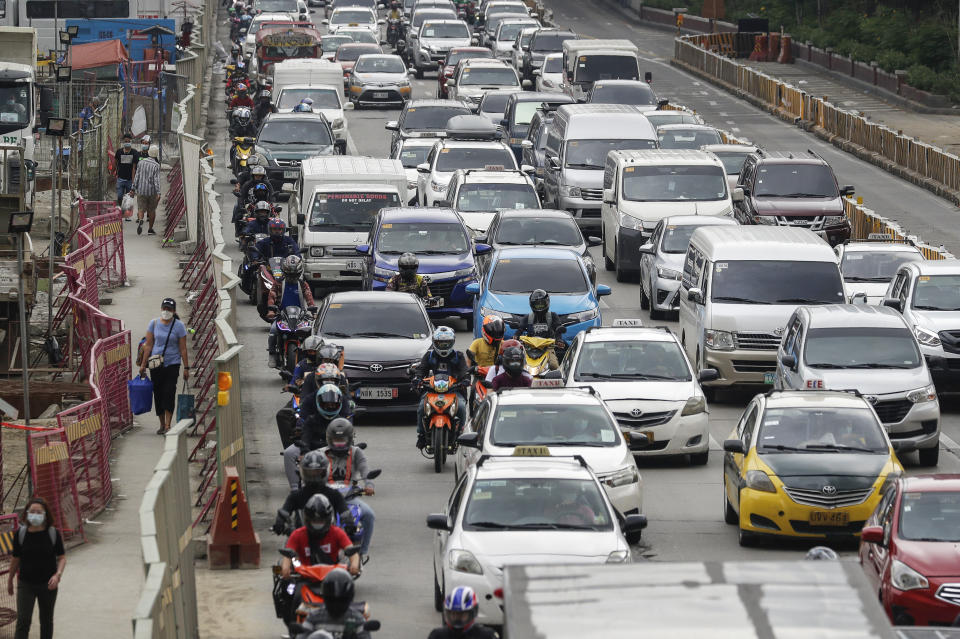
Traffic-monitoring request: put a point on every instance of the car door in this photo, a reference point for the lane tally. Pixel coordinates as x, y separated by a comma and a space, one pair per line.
566, 364
423, 179
369, 260
786, 378
877, 556
551, 174
646, 259
733, 463
440, 539
741, 210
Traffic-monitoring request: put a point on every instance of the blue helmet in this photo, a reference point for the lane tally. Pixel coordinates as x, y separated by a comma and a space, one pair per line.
302, 108
460, 608
443, 340
329, 399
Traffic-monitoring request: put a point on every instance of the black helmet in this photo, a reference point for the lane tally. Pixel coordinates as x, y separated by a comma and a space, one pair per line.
337, 591
318, 515
292, 268
340, 436
540, 301
314, 468
821, 553
512, 360
408, 265
329, 353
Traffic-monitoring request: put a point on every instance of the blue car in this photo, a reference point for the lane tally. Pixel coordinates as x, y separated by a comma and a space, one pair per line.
514, 273
442, 243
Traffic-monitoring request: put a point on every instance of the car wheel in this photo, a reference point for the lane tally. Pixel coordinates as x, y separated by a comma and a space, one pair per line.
746, 539
607, 262
622, 274
729, 514
929, 456
469, 320
708, 391
644, 300
437, 594
700, 459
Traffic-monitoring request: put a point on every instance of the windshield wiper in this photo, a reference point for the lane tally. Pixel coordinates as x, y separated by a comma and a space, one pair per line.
380, 334
335, 334
488, 524
643, 376
875, 365
270, 142
920, 307
553, 526
435, 252
841, 447
382, 252
825, 365
308, 142
799, 300
580, 165
738, 300
855, 278
782, 448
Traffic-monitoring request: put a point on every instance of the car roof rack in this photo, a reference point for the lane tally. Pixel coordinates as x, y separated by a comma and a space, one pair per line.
472, 127
578, 458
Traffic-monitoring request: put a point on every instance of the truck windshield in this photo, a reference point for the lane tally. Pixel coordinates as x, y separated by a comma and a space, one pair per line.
439, 238
14, 106
351, 211
591, 68
776, 282
673, 183
591, 154
795, 180
322, 98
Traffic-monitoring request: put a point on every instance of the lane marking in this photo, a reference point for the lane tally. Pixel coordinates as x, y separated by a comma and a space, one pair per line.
714, 444
712, 102
948, 443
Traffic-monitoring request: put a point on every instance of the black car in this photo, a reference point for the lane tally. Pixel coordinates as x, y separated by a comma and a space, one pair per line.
519, 112
543, 43
286, 139
533, 148
423, 118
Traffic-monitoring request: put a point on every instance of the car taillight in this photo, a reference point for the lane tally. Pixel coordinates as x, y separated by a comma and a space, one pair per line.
498, 593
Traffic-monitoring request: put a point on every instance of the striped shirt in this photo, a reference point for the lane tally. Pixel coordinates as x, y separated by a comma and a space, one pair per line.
147, 179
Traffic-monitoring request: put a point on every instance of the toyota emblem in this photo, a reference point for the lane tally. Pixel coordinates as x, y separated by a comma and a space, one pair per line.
636, 412
778, 331
376, 368
872, 399
829, 490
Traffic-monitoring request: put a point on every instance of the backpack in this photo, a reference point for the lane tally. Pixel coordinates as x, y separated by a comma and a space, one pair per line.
22, 535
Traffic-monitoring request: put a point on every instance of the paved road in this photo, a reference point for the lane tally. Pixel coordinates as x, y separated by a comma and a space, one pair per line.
682, 503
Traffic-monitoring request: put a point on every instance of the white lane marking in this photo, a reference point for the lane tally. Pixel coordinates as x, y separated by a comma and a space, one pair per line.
603, 304
722, 114
714, 444
731, 122
948, 443
735, 129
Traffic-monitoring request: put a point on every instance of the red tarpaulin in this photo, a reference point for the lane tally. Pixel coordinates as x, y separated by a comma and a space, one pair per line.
91, 55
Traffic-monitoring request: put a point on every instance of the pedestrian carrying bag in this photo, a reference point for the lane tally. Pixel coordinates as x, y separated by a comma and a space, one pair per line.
156, 361
128, 205
185, 404
22, 535
141, 394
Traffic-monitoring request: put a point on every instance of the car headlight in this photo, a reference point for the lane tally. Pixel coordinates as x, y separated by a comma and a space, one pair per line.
921, 395
383, 273
618, 557
489, 311
622, 477
925, 337
719, 340
464, 561
437, 188
570, 191
765, 219
316, 251
583, 316
758, 480
668, 273
338, 123
694, 406
630, 222
834, 220
903, 577
465, 273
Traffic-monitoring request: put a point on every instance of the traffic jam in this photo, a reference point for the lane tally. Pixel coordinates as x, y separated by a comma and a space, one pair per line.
456, 279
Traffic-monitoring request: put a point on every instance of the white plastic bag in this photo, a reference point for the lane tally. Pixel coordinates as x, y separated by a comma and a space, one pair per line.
128, 205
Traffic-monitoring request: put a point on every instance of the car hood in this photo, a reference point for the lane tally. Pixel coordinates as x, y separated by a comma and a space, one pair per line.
530, 546
589, 178
519, 303
382, 349
797, 206
930, 558
872, 381
624, 396
381, 78
813, 471
671, 260
652, 211
762, 318
430, 264
445, 43
938, 320
477, 221
875, 291
299, 152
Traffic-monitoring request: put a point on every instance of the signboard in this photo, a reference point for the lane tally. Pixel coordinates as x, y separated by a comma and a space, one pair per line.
289, 38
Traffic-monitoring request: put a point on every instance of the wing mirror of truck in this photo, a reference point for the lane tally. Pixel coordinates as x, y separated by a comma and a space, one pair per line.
537, 72
608, 197
647, 249
363, 249
695, 295
788, 361
737, 195
391, 126
554, 163
526, 144
288, 188
340, 146
894, 303
858, 298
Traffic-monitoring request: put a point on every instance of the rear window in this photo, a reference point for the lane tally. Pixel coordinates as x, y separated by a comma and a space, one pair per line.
411, 156
350, 52
493, 76
494, 103
493, 197
633, 94
688, 139
451, 159
453, 58
525, 275
547, 42
553, 65
431, 118
533, 230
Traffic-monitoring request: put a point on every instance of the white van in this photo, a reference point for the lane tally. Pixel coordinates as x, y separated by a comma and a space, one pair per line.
640, 188
315, 71
740, 286
586, 61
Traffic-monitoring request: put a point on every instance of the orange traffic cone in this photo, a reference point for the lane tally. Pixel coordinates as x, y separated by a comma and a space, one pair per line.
232, 542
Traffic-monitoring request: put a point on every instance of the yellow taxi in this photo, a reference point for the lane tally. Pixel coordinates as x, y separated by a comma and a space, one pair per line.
809, 464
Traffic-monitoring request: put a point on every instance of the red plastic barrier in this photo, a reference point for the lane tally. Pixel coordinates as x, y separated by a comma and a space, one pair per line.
8, 603
88, 440
53, 479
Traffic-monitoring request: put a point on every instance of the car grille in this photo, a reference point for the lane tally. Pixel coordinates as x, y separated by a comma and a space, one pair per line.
343, 251
442, 289
892, 411
591, 194
754, 365
644, 420
288, 162
758, 341
812, 222
817, 499
949, 593
950, 341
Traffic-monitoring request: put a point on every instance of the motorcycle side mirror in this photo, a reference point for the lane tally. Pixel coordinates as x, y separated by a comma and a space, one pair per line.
373, 474
362, 445
233, 180
372, 625
286, 375
273, 308
486, 383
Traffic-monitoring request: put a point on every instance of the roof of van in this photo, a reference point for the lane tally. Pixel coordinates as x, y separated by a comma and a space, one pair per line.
590, 45
761, 243
665, 156
352, 165
602, 121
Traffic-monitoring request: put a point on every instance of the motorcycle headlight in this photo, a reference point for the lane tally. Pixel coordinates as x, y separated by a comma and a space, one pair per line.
618, 557
925, 337
383, 274
584, 316
571, 191
316, 251
903, 577
758, 480
921, 395
464, 561
630, 222
694, 406
622, 477
668, 273
765, 219
719, 340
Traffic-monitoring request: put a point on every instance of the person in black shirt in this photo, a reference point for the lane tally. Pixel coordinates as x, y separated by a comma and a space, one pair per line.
38, 561
314, 469
126, 163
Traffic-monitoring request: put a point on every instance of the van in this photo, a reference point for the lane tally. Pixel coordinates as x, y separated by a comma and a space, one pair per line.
740, 285
586, 61
306, 71
640, 188
578, 140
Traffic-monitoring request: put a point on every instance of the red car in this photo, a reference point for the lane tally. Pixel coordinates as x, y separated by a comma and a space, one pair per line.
910, 550
450, 64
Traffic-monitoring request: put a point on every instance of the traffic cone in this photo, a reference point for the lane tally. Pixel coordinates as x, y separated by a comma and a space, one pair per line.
232, 542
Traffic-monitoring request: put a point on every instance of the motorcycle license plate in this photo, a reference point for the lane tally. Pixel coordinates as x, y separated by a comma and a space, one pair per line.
377, 392
354, 265
380, 95
829, 518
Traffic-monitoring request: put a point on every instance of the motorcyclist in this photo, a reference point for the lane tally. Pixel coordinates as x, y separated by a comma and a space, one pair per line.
408, 280
395, 11
337, 616
497, 367
541, 322
244, 174
318, 541
304, 106
260, 224
441, 358
257, 187
328, 404
309, 361
241, 123
241, 98
279, 244
314, 469
264, 105
348, 464
459, 617
483, 350
513, 375
295, 291
329, 373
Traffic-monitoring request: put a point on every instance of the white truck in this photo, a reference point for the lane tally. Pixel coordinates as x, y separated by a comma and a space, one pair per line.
332, 211
18, 100
319, 80
586, 61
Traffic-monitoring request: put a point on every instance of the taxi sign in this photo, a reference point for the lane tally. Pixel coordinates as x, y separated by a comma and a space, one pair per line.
815, 384
879, 236
531, 451
628, 322
546, 383
493, 167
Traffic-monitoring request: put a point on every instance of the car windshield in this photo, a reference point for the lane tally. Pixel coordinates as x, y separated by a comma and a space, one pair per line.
361, 35
552, 275
674, 183
875, 266
525, 38
732, 161
776, 282
256, 25
536, 504
524, 111
438, 238
591, 154
553, 64
445, 30
676, 238
349, 211
411, 155
457, 56
433, 14
538, 230
488, 76
937, 293
821, 430
348, 16
688, 138
492, 197
930, 516
861, 347
313, 132
594, 67
660, 118
494, 102
655, 361
431, 118
550, 42
508, 32
380, 64
795, 180
553, 425
330, 44
322, 98
452, 158
351, 52
369, 318
632, 94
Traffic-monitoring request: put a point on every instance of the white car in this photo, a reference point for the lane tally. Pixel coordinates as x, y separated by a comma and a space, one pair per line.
352, 17
502, 41
867, 266
360, 34
478, 194
250, 41
523, 510
550, 75
413, 152
326, 100
435, 40
567, 422
480, 76
377, 79
449, 155
644, 376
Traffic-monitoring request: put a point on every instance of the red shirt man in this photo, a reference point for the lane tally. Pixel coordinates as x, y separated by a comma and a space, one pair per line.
331, 545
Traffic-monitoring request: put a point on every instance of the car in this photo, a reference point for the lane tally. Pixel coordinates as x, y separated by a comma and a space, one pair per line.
793, 189
352, 17
250, 40
566, 422
646, 380
927, 293
869, 349
507, 32
519, 47
411, 32
340, 4
687, 136
868, 266
505, 287
330, 43
379, 79
549, 75
471, 142
732, 156
412, 152
424, 119
519, 112
440, 241
492, 105
449, 64
521, 510
630, 92
382, 334
348, 54
477, 195
434, 41
908, 550
533, 148
327, 100
286, 139
360, 34
545, 42
662, 258
806, 464
470, 82
497, 13
664, 117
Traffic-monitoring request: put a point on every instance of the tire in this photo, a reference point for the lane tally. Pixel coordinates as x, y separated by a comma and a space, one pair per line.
700, 459
469, 320
929, 456
729, 514
439, 449
622, 274
291, 356
746, 539
607, 262
437, 594
644, 299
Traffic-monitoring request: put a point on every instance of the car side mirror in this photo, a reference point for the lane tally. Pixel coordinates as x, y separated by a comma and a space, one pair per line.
324, 21
903, 445
392, 125
608, 197
480, 249
340, 146
737, 195
423, 168
301, 219
603, 290
593, 240
847, 190
858, 298
439, 521
647, 249
445, 204
734, 446
473, 288
695, 295
648, 77
634, 523
363, 249
708, 375
788, 361
872, 535
537, 72
528, 169
526, 84
526, 144
554, 162
469, 440
894, 303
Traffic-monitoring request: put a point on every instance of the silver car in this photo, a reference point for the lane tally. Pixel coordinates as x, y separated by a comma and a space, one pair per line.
379, 79
435, 40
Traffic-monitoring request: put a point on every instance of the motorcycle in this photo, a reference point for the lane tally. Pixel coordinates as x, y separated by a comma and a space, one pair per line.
295, 598
352, 491
249, 266
240, 152
478, 389
440, 414
536, 351
393, 31
293, 326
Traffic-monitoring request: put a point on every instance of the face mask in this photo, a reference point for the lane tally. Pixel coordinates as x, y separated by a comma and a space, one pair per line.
166, 315
145, 147
127, 145
35, 519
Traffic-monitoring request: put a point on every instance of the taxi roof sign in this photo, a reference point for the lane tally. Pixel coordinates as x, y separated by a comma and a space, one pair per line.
531, 451
635, 322
539, 382
879, 236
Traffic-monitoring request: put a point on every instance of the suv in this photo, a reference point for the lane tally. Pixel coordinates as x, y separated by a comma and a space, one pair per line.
868, 266
434, 42
423, 119
543, 43
471, 81
286, 139
477, 194
787, 189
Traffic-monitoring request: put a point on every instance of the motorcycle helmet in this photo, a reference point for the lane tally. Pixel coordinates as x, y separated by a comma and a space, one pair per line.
818, 553
513, 360
508, 343
258, 171
328, 401
266, 94
408, 265
292, 266
310, 347
254, 160
328, 374
492, 329
540, 301
318, 515
241, 88
302, 108
319, 634
330, 354
443, 340
262, 207
314, 468
276, 228
337, 589
340, 436
460, 608
242, 116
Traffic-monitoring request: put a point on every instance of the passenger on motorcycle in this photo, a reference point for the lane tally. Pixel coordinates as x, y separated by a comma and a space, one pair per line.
242, 98
314, 469
407, 280
244, 174
513, 375
279, 244
309, 362
459, 617
484, 350
295, 292
337, 616
261, 219
498, 368
442, 358
318, 541
395, 12
541, 322
328, 373
348, 464
264, 105
241, 122
328, 404
255, 188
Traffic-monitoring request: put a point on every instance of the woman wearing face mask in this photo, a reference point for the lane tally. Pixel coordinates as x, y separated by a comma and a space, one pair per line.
126, 162
167, 348
38, 561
